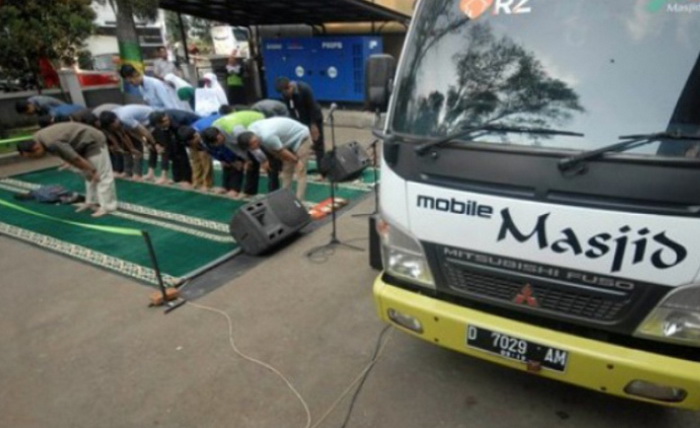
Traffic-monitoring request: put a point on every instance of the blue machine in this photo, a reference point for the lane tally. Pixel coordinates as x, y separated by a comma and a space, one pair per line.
333, 66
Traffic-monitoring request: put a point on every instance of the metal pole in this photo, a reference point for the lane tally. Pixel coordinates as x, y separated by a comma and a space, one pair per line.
170, 306
183, 35
375, 180
334, 239
154, 260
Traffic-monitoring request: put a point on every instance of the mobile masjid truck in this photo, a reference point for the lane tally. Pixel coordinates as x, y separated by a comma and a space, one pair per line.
540, 190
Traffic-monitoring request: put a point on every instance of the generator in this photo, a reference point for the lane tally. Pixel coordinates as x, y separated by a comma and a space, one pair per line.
332, 66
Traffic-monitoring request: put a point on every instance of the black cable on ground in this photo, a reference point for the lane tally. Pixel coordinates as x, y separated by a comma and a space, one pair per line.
364, 378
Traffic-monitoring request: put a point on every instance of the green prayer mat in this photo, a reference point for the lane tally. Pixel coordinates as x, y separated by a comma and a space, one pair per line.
189, 229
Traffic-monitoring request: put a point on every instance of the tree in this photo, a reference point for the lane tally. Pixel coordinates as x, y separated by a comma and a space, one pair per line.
196, 27
172, 26
128, 40
497, 81
39, 30
201, 29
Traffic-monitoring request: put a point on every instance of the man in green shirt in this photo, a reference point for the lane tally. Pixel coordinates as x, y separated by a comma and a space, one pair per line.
234, 79
224, 132
85, 148
242, 118
285, 139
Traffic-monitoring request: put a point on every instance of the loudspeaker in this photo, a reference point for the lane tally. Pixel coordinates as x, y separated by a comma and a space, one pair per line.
347, 163
262, 225
379, 75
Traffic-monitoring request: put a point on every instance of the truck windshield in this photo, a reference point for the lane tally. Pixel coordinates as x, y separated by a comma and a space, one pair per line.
596, 67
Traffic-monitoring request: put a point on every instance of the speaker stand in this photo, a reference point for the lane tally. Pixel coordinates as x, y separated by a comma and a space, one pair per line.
375, 182
375, 179
329, 248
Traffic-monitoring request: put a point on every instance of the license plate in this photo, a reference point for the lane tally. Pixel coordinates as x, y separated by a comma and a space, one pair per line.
516, 349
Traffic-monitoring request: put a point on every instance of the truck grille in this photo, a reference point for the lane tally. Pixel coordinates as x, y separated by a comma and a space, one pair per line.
564, 300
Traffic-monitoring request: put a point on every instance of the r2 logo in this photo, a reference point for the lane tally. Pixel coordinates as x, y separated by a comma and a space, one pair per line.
506, 6
475, 8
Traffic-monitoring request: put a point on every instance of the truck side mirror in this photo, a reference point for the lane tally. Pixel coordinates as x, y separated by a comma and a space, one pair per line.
379, 81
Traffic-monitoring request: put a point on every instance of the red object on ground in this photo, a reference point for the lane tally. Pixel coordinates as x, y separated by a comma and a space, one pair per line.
325, 207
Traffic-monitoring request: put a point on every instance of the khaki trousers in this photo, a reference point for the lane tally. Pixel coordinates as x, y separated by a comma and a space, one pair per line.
202, 169
289, 169
104, 192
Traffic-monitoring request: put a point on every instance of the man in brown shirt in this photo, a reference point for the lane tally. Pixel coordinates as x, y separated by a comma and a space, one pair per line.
85, 148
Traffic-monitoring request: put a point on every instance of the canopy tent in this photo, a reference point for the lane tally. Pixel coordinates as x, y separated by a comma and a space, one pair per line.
249, 13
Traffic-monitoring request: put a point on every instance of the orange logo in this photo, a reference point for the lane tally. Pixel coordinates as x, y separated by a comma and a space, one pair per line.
475, 8
527, 297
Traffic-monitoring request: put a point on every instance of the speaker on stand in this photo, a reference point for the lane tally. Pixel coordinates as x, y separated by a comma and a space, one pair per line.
346, 163
341, 165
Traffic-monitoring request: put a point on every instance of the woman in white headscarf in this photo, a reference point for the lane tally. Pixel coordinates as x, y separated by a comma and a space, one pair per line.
210, 97
212, 82
185, 91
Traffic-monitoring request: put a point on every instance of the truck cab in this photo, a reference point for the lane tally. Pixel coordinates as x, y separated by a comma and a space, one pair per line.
539, 190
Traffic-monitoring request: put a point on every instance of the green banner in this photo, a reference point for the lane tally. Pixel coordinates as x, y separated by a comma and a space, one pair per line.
15, 139
107, 229
130, 53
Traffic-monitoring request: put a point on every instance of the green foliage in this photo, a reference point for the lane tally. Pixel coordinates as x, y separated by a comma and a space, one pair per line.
201, 29
172, 26
125, 10
144, 9
194, 27
85, 60
32, 29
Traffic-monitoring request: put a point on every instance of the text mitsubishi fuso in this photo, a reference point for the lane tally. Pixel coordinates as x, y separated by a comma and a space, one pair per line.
540, 190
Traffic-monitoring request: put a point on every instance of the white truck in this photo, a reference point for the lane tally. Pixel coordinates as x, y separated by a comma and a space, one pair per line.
226, 39
540, 190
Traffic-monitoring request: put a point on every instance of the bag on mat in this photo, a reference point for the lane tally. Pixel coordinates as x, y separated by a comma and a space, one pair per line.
52, 194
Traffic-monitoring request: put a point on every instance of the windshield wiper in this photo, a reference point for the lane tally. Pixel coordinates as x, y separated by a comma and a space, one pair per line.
630, 142
423, 148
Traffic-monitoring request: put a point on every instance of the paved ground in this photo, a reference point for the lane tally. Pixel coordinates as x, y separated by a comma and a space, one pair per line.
81, 349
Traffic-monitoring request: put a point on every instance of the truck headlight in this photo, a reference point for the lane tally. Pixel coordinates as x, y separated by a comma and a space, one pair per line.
676, 319
403, 255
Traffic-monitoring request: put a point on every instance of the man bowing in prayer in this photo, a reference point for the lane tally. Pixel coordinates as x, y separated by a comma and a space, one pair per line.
85, 148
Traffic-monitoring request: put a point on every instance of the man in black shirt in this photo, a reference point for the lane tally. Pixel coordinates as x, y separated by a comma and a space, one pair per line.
303, 107
166, 124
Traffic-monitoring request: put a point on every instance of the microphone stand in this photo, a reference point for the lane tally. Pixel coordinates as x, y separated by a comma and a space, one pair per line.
328, 248
375, 178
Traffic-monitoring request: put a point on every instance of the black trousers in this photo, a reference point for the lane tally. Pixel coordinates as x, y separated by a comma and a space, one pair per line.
153, 159
319, 148
252, 176
180, 162
233, 178
133, 153
273, 177
237, 95
117, 161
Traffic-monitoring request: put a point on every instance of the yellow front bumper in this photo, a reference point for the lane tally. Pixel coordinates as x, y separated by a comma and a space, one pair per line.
591, 364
